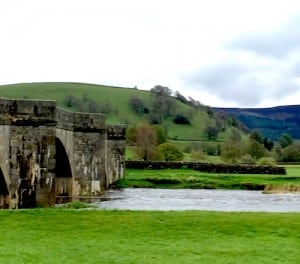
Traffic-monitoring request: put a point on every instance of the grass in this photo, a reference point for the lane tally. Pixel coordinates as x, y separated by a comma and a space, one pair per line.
188, 178
92, 236
118, 97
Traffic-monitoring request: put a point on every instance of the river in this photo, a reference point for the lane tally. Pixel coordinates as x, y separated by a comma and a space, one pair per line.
196, 199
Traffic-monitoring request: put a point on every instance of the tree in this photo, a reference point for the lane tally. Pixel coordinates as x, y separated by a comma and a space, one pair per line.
255, 135
161, 134
170, 152
163, 104
235, 135
130, 135
146, 141
291, 153
256, 149
181, 98
138, 105
212, 132
269, 144
285, 140
231, 151
160, 90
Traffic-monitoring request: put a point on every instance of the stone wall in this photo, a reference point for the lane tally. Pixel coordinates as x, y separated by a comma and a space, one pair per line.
206, 167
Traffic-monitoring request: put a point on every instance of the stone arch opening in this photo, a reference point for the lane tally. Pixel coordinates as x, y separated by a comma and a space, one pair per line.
4, 194
63, 172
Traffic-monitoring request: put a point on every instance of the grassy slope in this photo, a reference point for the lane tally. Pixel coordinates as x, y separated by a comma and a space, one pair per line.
69, 236
118, 97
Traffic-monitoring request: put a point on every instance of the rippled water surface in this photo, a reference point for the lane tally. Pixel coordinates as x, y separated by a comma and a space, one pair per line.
190, 199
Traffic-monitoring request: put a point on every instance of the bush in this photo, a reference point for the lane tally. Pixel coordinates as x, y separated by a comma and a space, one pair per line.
198, 155
291, 153
138, 105
247, 159
77, 205
212, 132
266, 161
181, 120
170, 152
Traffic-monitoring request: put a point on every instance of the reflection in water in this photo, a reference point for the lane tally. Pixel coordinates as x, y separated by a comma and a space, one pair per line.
190, 199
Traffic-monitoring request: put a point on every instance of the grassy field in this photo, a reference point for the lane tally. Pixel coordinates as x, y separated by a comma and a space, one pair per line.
92, 236
188, 178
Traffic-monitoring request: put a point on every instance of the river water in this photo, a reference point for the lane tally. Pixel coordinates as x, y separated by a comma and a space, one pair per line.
191, 199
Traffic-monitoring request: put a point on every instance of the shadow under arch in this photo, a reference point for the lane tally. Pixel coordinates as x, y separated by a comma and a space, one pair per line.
63, 178
4, 193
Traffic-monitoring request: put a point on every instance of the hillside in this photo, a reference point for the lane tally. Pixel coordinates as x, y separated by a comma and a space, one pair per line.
271, 122
114, 101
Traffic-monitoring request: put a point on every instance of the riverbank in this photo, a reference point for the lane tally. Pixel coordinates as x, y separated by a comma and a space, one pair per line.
95, 236
188, 178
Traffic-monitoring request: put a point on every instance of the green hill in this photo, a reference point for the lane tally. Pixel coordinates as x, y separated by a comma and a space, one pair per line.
114, 101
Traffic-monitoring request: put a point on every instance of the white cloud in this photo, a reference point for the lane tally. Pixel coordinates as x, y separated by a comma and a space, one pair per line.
204, 49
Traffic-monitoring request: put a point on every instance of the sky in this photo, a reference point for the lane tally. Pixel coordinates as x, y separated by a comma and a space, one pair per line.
233, 53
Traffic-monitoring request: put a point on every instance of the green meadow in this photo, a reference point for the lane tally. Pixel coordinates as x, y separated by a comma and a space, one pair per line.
95, 236
188, 178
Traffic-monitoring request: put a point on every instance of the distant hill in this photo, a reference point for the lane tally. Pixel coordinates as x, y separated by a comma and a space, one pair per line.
115, 102
271, 122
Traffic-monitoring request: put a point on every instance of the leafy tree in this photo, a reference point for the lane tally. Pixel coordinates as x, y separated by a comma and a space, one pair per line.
277, 152
255, 135
70, 100
163, 104
255, 149
161, 134
212, 132
170, 152
235, 135
291, 153
146, 141
231, 151
285, 140
268, 144
138, 105
181, 98
130, 135
211, 148
160, 90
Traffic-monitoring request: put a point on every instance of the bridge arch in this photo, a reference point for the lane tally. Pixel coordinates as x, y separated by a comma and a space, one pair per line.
4, 193
63, 172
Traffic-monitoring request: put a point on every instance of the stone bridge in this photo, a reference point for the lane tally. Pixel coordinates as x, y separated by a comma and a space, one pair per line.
50, 155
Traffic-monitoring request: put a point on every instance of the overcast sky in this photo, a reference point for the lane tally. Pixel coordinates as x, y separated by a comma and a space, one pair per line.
231, 53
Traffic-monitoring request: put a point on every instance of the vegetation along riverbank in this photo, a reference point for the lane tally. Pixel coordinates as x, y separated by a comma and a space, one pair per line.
188, 178
95, 236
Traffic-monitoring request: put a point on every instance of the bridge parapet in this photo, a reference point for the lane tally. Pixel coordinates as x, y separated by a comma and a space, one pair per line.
116, 132
78, 121
27, 112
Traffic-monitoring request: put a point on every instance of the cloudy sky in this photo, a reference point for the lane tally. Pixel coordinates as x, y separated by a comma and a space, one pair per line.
231, 53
